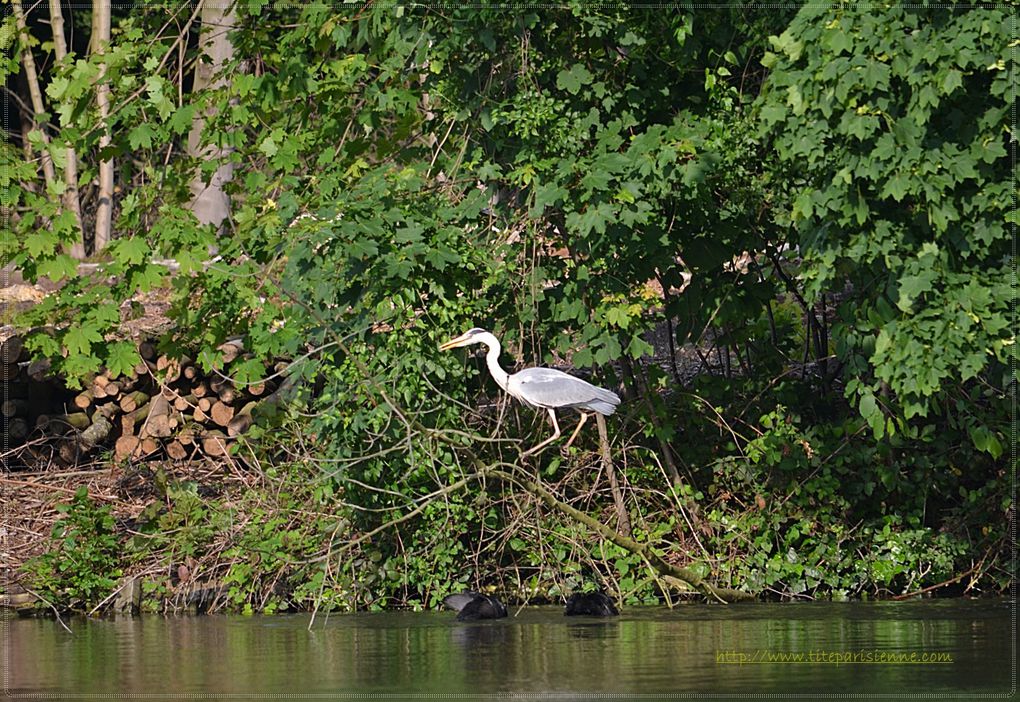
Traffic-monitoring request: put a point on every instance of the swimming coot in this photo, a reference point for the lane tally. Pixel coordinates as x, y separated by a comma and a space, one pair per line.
595, 604
472, 606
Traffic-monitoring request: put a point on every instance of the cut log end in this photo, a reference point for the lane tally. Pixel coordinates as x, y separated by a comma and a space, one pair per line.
222, 413
239, 424
215, 445
125, 447
176, 450
11, 349
147, 350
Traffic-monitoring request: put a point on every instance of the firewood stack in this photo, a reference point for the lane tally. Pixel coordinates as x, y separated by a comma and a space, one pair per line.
14, 409
167, 407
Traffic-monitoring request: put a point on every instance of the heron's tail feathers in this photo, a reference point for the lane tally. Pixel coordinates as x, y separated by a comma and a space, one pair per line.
605, 401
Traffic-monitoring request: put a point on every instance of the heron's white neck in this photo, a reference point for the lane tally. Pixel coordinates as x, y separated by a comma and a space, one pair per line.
492, 359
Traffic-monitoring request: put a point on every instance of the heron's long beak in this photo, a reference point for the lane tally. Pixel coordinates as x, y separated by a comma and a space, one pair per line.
461, 340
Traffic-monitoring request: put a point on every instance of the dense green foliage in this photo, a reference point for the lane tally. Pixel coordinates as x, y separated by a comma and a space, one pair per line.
895, 127
84, 562
814, 206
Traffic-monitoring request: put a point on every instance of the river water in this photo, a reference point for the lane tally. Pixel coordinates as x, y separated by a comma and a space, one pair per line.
959, 647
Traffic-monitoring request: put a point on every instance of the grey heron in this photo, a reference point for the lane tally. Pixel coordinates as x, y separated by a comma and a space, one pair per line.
541, 388
472, 606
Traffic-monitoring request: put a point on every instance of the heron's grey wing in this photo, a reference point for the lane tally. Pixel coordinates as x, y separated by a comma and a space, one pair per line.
548, 387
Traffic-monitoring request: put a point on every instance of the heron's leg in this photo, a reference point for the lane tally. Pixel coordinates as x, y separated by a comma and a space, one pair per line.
556, 435
584, 418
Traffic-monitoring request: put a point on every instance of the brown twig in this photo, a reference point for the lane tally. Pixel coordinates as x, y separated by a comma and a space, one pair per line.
952, 580
49, 604
936, 586
28, 483
623, 519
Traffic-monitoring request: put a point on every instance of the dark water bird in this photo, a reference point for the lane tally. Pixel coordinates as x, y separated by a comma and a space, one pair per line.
595, 604
472, 606
542, 388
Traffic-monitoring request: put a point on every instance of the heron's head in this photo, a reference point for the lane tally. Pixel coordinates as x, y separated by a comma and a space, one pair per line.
471, 336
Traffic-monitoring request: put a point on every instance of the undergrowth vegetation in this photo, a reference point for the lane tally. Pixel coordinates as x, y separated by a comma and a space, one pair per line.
784, 235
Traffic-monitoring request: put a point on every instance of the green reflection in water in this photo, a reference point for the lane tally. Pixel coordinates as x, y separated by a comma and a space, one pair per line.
645, 651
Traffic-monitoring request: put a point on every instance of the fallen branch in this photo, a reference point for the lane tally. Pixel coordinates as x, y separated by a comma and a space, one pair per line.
623, 519
944, 583
644, 550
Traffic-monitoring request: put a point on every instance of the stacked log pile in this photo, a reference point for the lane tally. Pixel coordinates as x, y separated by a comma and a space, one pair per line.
14, 409
167, 407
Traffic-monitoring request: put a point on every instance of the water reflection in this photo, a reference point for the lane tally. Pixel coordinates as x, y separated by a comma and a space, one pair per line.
645, 650
593, 629
480, 636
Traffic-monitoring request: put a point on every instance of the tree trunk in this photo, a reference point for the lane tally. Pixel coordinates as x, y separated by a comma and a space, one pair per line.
34, 90
100, 43
72, 203
210, 203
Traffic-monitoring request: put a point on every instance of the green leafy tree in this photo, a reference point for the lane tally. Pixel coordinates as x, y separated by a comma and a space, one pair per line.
892, 125
570, 177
